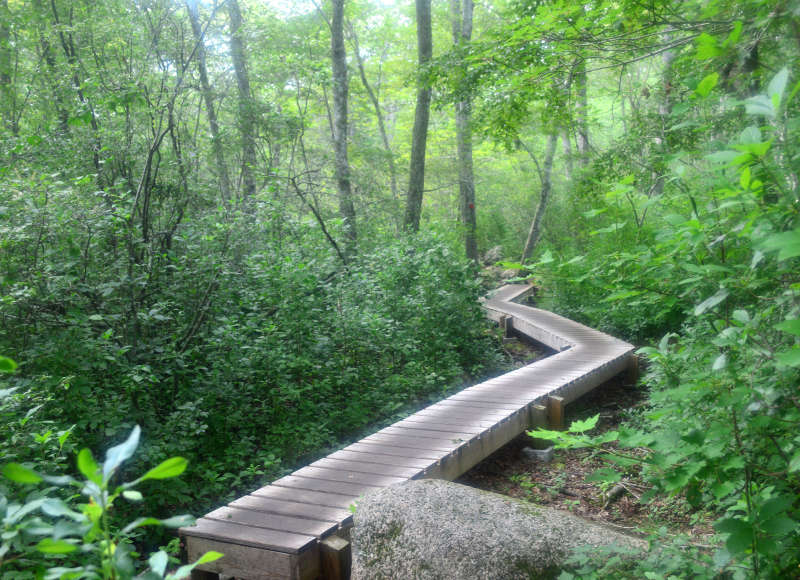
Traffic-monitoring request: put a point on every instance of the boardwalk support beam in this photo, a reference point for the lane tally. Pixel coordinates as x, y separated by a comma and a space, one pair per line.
555, 413
336, 558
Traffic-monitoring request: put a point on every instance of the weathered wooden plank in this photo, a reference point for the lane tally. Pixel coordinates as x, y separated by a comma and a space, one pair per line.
309, 484
367, 466
325, 499
419, 431
290, 508
249, 536
380, 454
259, 519
254, 563
348, 476
383, 448
444, 445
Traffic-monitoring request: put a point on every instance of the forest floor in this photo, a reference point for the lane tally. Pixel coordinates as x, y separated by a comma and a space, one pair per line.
561, 483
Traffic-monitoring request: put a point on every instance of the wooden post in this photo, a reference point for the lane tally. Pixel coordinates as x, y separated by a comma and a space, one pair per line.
538, 416
555, 412
632, 372
335, 558
507, 324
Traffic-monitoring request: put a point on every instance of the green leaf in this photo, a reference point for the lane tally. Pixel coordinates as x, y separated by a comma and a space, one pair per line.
711, 302
741, 316
708, 83
172, 467
7, 365
791, 326
706, 47
622, 295
132, 495
794, 464
120, 453
777, 86
604, 474
759, 105
779, 526
184, 571
720, 362
210, 556
20, 474
583, 426
740, 534
51, 546
88, 467
158, 562
750, 135
733, 37
790, 358
787, 244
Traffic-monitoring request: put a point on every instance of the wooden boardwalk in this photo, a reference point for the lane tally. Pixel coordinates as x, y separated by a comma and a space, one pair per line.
295, 527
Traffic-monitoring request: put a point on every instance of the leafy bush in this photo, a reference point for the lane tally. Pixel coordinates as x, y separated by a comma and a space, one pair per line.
48, 533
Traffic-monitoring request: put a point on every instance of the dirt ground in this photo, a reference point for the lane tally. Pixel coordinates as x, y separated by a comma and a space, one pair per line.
562, 484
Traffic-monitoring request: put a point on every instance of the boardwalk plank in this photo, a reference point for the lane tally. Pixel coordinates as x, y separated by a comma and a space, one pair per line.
290, 508
259, 519
347, 476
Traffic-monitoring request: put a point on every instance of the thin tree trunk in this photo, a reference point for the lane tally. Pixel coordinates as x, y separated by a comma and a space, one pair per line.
462, 33
62, 111
567, 144
547, 184
342, 168
208, 97
246, 109
6, 90
416, 177
378, 113
664, 111
582, 110
71, 53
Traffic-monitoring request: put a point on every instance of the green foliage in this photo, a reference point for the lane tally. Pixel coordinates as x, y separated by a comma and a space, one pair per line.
50, 533
719, 271
667, 558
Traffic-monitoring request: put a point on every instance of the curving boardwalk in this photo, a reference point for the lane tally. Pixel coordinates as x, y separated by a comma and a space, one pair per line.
294, 527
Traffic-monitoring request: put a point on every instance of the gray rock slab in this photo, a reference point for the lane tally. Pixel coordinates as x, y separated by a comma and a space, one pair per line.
438, 530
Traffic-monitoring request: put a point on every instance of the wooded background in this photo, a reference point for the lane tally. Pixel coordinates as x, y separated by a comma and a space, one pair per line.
255, 228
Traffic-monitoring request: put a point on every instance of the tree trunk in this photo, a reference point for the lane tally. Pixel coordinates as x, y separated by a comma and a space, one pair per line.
6, 90
339, 65
462, 33
567, 144
547, 185
378, 114
582, 111
208, 97
664, 111
416, 177
246, 109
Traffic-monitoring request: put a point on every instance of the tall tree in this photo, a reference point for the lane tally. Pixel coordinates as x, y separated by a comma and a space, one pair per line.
462, 33
546, 178
208, 98
581, 112
6, 91
373, 97
340, 91
246, 105
419, 139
